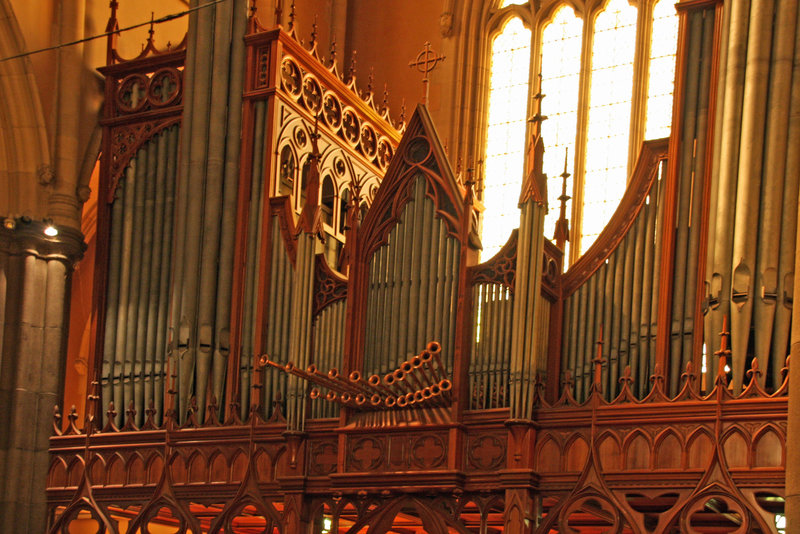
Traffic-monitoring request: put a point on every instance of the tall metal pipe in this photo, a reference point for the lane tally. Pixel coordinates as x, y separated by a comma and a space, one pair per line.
786, 264
748, 189
719, 278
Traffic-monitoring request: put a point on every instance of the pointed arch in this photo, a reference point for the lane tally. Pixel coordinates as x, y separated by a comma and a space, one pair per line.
136, 473
768, 449
668, 450
548, 457
735, 447
576, 452
637, 449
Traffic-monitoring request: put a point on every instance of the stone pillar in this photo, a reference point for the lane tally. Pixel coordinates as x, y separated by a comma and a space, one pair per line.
34, 280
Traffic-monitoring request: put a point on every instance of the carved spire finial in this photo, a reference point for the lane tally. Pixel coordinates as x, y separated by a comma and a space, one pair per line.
333, 51
313, 42
723, 353
151, 32
292, 15
385, 101
351, 72
278, 11
561, 234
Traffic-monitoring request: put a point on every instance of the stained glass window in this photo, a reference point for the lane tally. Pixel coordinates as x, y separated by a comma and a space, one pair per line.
505, 135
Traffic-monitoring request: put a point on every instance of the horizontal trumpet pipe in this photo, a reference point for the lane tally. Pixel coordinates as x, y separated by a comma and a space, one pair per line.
375, 382
364, 386
324, 380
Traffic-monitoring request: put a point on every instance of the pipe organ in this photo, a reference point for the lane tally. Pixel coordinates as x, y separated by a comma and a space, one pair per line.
293, 330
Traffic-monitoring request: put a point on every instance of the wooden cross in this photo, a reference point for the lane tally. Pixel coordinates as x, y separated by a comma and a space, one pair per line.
425, 62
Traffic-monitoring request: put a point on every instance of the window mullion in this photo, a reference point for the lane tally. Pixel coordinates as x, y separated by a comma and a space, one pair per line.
580, 141
641, 62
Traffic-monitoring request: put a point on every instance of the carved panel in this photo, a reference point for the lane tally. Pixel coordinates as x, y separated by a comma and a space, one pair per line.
397, 452
486, 452
323, 458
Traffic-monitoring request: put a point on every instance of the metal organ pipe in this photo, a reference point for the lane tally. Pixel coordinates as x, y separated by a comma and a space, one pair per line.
771, 219
109, 372
748, 191
229, 200
253, 228
720, 276
786, 262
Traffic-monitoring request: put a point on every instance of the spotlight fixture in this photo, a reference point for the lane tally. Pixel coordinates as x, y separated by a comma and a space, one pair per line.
49, 229
9, 223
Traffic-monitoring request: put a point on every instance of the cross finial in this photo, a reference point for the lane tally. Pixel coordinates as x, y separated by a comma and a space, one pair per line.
425, 62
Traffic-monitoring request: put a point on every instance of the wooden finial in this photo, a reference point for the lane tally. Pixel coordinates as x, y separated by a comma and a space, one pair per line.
425, 62
351, 72
291, 17
333, 51
313, 42
561, 234
723, 353
598, 361
151, 32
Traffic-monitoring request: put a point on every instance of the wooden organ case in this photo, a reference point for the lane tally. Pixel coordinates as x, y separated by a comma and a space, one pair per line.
364, 373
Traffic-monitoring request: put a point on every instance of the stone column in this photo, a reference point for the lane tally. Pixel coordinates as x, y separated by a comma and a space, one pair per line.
34, 279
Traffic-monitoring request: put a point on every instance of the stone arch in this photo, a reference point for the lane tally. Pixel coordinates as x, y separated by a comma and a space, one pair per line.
23, 135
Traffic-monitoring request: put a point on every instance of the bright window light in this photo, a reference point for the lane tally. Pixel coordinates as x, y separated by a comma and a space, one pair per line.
609, 117
663, 45
505, 135
561, 68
